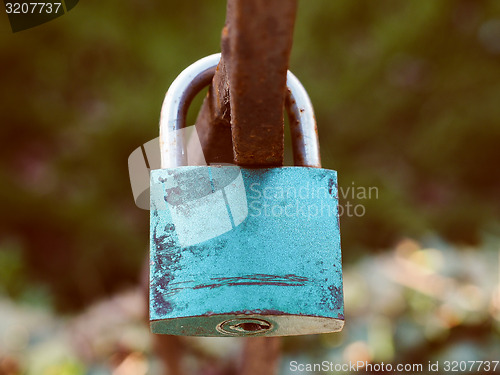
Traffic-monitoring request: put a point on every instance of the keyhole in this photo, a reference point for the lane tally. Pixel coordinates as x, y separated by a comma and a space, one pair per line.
251, 327
243, 327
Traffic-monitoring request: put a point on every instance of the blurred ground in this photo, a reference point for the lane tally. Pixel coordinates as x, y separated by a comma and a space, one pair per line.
411, 305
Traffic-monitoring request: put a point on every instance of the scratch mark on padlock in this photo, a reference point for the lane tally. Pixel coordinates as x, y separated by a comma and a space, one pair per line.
228, 209
161, 306
166, 262
332, 188
163, 243
257, 279
175, 287
211, 179
183, 282
334, 299
224, 196
258, 312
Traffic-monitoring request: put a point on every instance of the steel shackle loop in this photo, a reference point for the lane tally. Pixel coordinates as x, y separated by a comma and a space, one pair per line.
195, 77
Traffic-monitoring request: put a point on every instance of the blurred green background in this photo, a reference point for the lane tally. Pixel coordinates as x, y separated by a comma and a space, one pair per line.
407, 98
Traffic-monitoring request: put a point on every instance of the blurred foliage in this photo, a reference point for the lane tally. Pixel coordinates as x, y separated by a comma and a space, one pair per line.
406, 95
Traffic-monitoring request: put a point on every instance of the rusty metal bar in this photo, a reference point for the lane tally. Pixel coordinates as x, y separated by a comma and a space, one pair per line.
261, 356
241, 120
260, 34
213, 124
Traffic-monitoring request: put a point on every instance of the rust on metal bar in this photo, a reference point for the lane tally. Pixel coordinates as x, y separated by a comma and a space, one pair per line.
213, 124
241, 120
260, 34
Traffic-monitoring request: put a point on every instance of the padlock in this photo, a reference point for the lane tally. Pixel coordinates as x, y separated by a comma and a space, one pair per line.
243, 251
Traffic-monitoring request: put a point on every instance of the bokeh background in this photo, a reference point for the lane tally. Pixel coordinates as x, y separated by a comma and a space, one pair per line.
407, 97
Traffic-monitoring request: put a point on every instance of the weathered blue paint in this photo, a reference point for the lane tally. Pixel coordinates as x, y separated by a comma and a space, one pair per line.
277, 257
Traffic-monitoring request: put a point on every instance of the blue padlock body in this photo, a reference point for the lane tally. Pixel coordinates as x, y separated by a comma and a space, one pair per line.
230, 242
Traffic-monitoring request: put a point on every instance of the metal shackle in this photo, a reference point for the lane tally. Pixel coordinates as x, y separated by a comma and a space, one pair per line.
195, 77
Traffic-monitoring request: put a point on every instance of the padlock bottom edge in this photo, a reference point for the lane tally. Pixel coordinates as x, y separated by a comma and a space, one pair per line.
245, 325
